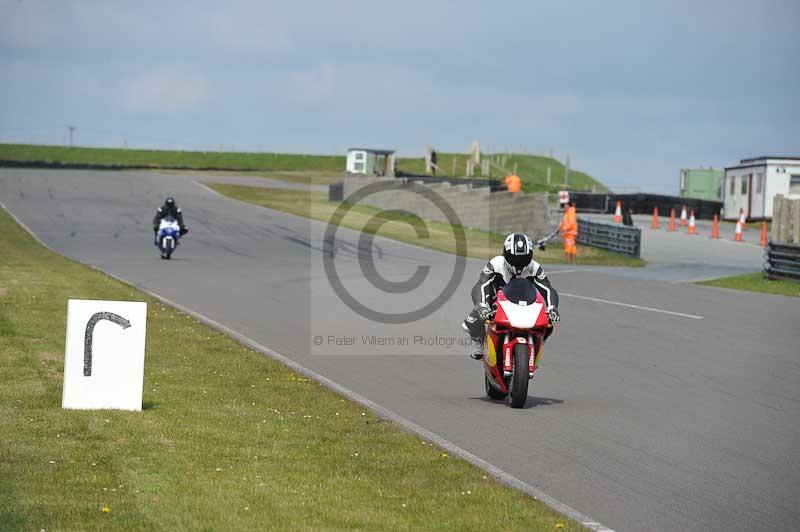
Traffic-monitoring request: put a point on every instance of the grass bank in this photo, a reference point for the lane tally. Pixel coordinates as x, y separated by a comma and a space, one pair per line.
173, 159
228, 439
533, 169
756, 282
479, 244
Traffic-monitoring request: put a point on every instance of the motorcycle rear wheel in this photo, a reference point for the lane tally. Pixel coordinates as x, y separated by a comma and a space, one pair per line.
491, 391
519, 379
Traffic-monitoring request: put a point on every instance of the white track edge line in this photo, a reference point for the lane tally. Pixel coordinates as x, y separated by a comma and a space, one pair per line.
383, 412
629, 305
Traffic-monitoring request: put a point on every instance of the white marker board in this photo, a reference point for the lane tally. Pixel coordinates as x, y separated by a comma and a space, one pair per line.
104, 356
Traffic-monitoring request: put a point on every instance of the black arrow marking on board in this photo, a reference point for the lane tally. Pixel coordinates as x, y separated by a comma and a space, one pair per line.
87, 339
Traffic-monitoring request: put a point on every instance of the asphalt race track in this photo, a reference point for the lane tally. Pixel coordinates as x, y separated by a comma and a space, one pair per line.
660, 406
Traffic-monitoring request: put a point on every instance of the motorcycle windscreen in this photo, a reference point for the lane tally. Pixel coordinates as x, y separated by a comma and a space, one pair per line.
169, 223
520, 291
521, 305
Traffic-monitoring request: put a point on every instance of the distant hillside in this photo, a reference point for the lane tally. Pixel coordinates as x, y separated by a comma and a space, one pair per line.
172, 159
531, 168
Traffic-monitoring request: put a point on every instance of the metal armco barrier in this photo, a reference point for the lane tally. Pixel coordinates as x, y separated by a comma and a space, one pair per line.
588, 202
782, 260
614, 237
644, 204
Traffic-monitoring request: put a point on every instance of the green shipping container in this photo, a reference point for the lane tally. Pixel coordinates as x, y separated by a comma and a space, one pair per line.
701, 183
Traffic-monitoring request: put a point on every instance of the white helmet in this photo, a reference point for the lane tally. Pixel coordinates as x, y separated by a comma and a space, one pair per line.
518, 251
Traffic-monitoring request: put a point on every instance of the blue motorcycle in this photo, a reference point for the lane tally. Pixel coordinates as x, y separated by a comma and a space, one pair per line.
169, 232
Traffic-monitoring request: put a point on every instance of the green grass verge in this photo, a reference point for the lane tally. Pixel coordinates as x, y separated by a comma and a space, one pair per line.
173, 159
228, 439
531, 168
756, 282
479, 244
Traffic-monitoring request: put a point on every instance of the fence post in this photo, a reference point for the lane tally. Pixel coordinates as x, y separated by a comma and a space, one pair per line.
777, 206
786, 219
796, 222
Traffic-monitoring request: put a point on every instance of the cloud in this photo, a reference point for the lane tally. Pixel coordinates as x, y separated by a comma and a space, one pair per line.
313, 85
29, 25
254, 28
166, 91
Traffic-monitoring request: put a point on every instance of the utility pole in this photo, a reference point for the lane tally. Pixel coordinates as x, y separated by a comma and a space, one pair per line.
71, 134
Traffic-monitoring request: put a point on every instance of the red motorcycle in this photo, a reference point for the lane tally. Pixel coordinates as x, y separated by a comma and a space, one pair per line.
514, 339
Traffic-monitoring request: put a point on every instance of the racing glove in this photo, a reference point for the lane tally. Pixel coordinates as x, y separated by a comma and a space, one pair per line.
552, 313
484, 311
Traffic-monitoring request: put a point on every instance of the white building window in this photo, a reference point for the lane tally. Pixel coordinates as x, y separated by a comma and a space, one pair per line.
733, 185
794, 184
759, 183
359, 156
744, 185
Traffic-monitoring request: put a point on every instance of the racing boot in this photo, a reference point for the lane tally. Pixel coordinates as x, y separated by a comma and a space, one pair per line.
477, 351
477, 343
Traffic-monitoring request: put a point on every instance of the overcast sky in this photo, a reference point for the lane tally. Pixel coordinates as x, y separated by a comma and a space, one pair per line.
633, 91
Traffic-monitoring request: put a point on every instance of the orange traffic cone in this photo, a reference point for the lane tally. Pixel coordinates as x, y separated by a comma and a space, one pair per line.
618, 213
715, 227
671, 226
763, 241
737, 235
655, 224
692, 226
683, 216
742, 218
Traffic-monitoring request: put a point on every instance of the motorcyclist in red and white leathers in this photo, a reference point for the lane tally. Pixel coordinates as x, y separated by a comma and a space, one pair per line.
516, 261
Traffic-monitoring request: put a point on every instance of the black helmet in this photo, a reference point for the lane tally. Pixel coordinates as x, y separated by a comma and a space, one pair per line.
518, 251
169, 202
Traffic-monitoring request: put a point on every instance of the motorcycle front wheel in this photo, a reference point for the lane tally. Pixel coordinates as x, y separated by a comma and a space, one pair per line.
519, 380
169, 247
